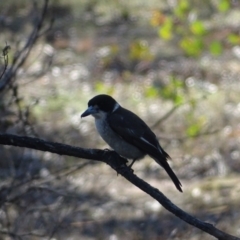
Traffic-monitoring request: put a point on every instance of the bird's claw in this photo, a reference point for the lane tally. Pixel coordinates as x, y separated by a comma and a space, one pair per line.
124, 168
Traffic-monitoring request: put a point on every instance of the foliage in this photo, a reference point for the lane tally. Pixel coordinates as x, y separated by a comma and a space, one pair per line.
191, 29
173, 91
139, 50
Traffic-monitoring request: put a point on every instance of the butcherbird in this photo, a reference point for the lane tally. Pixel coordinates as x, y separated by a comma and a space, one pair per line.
126, 133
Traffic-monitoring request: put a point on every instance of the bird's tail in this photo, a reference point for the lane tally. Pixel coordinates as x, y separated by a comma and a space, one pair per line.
171, 174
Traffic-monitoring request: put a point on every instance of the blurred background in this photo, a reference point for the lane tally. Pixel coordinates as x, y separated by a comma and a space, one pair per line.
175, 63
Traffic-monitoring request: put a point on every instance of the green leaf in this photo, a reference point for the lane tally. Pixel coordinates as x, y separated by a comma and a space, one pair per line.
179, 99
151, 92
224, 5
234, 39
216, 48
193, 130
197, 125
177, 83
192, 46
139, 50
100, 87
165, 31
182, 8
198, 28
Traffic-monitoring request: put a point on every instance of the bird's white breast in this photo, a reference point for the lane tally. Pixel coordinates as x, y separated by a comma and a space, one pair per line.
115, 141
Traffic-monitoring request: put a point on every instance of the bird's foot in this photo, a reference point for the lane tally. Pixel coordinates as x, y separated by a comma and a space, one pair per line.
124, 168
127, 168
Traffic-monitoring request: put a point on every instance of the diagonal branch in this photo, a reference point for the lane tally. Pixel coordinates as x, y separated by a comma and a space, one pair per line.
166, 115
21, 56
119, 164
5, 59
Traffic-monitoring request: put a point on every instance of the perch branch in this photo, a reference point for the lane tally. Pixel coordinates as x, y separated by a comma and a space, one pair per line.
119, 164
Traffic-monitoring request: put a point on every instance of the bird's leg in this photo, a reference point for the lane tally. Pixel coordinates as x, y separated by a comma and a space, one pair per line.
133, 161
126, 168
129, 167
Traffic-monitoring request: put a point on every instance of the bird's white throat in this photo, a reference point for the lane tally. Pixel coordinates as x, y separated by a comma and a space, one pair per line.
116, 106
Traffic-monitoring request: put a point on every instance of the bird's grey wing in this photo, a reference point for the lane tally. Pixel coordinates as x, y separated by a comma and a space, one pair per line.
136, 132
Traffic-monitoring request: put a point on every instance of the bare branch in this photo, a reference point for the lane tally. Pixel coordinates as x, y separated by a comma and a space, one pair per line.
182, 138
119, 164
166, 116
21, 56
19, 236
5, 59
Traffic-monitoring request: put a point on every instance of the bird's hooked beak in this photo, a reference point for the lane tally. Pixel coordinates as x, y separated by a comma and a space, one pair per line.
91, 110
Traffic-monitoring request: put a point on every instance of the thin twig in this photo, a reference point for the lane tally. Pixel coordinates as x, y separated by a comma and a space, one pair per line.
21, 56
5, 59
166, 116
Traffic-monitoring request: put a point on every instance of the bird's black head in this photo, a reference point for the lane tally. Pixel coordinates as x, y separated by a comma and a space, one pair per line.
105, 102
100, 103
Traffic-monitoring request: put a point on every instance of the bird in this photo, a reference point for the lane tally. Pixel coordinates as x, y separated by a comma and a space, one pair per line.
126, 133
